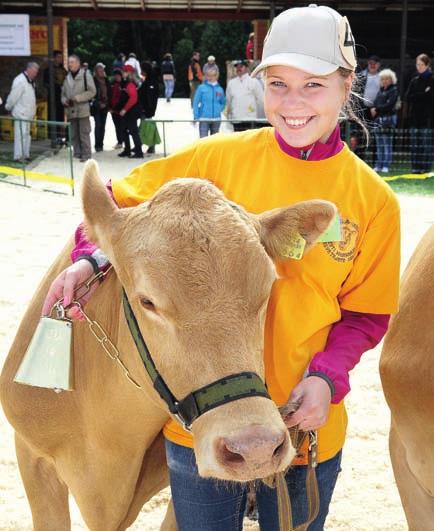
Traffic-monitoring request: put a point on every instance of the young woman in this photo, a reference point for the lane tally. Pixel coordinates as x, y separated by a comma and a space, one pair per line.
324, 310
168, 72
209, 102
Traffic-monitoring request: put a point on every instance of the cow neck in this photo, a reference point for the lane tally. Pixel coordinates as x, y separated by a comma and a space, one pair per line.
192, 406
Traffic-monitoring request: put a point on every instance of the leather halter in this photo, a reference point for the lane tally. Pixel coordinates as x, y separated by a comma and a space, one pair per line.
195, 404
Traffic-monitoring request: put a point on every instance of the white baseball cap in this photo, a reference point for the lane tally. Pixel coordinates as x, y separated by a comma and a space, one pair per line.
315, 39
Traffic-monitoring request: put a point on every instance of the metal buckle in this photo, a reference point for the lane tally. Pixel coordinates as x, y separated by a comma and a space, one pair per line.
181, 420
313, 443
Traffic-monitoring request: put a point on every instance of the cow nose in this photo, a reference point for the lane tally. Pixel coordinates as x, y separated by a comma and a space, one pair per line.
256, 449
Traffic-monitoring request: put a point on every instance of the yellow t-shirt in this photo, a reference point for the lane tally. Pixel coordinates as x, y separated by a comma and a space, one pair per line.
359, 273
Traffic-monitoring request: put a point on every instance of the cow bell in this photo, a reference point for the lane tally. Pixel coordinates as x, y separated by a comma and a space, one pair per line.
48, 358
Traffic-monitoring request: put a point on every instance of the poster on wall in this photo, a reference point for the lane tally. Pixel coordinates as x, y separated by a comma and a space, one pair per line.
39, 38
14, 35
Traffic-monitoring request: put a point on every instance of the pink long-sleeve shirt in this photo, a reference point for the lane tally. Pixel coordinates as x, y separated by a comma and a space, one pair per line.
349, 338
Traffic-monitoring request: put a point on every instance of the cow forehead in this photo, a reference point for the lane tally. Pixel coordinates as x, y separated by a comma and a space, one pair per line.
194, 215
191, 236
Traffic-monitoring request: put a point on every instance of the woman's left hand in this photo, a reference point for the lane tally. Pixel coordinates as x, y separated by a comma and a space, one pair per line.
313, 394
373, 112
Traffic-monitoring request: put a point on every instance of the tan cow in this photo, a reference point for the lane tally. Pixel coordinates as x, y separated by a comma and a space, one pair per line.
407, 375
203, 264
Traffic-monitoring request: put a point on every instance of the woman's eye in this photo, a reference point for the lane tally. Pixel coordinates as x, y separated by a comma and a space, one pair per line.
277, 83
147, 304
313, 85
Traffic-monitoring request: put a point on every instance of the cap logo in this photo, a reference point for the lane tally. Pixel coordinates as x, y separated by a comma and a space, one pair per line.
346, 42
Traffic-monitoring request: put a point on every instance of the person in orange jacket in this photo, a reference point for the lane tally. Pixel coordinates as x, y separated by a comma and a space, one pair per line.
195, 75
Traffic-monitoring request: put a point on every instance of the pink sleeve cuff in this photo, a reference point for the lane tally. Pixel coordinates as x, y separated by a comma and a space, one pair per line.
349, 338
83, 247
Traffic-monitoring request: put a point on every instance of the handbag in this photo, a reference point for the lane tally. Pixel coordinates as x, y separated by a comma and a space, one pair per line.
148, 133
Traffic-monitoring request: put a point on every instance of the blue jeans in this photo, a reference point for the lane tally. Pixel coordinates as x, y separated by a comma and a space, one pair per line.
384, 139
169, 85
203, 504
208, 127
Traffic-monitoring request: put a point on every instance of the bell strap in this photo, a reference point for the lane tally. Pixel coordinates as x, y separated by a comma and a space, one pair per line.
223, 391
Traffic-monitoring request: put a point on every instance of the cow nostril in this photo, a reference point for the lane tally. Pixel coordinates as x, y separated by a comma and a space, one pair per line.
232, 458
279, 449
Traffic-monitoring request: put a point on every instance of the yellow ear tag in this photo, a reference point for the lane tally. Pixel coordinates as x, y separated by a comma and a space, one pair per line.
295, 247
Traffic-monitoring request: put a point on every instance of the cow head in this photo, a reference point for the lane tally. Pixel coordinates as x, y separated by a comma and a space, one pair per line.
198, 272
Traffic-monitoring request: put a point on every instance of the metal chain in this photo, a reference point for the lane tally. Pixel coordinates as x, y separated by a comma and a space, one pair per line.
97, 330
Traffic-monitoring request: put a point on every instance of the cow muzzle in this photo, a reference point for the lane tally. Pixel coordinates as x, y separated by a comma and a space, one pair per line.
254, 452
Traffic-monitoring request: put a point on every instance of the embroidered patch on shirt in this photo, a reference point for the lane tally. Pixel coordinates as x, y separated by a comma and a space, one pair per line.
334, 232
344, 250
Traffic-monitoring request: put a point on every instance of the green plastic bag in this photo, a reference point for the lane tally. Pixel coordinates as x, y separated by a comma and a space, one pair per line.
148, 133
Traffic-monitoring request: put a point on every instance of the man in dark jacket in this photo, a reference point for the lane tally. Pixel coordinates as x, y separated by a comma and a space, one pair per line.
115, 90
60, 73
100, 105
420, 99
148, 95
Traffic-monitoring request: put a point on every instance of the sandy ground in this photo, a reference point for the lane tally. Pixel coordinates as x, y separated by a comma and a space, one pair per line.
35, 225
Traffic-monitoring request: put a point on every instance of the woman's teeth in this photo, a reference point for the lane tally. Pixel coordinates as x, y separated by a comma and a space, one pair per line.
296, 122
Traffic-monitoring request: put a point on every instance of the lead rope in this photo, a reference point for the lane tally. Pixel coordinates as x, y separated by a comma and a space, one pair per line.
283, 500
278, 481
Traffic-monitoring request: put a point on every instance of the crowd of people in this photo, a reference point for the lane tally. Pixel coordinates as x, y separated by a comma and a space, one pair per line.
380, 102
131, 93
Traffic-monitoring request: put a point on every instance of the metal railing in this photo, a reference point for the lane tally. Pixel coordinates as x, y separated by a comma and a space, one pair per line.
25, 146
396, 151
392, 150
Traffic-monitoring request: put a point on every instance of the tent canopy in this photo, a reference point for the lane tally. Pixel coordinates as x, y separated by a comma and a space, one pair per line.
194, 9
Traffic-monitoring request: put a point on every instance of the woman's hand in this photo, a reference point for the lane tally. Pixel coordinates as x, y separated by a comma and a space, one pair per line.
314, 396
65, 284
373, 112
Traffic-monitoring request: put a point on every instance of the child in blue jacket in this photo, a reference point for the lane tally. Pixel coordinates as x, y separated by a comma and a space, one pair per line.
209, 102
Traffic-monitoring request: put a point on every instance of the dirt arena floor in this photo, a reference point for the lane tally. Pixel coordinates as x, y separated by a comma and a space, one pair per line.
35, 225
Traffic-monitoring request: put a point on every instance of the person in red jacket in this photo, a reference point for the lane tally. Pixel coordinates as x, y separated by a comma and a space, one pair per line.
130, 113
114, 103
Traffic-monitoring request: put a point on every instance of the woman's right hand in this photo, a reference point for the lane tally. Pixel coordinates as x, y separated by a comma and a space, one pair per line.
65, 284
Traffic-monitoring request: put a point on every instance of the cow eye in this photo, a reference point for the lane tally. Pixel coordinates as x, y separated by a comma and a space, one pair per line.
147, 304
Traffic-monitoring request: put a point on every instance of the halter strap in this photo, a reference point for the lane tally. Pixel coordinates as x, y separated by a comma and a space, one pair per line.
195, 404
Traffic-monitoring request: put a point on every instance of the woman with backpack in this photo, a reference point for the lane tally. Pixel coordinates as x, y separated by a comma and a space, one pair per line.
168, 73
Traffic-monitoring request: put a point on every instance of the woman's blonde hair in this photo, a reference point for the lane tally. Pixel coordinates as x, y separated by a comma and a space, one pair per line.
387, 72
353, 108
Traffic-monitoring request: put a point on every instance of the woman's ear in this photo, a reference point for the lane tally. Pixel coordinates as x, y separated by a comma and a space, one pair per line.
348, 85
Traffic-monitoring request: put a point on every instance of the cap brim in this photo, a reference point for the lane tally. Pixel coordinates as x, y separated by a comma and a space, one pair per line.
308, 64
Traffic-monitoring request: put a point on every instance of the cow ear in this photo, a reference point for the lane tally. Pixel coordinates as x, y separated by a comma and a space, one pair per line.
101, 215
280, 229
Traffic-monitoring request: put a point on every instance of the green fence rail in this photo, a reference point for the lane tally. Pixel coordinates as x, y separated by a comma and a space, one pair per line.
26, 148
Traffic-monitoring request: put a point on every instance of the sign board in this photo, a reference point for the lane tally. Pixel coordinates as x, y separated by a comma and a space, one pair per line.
14, 35
39, 38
